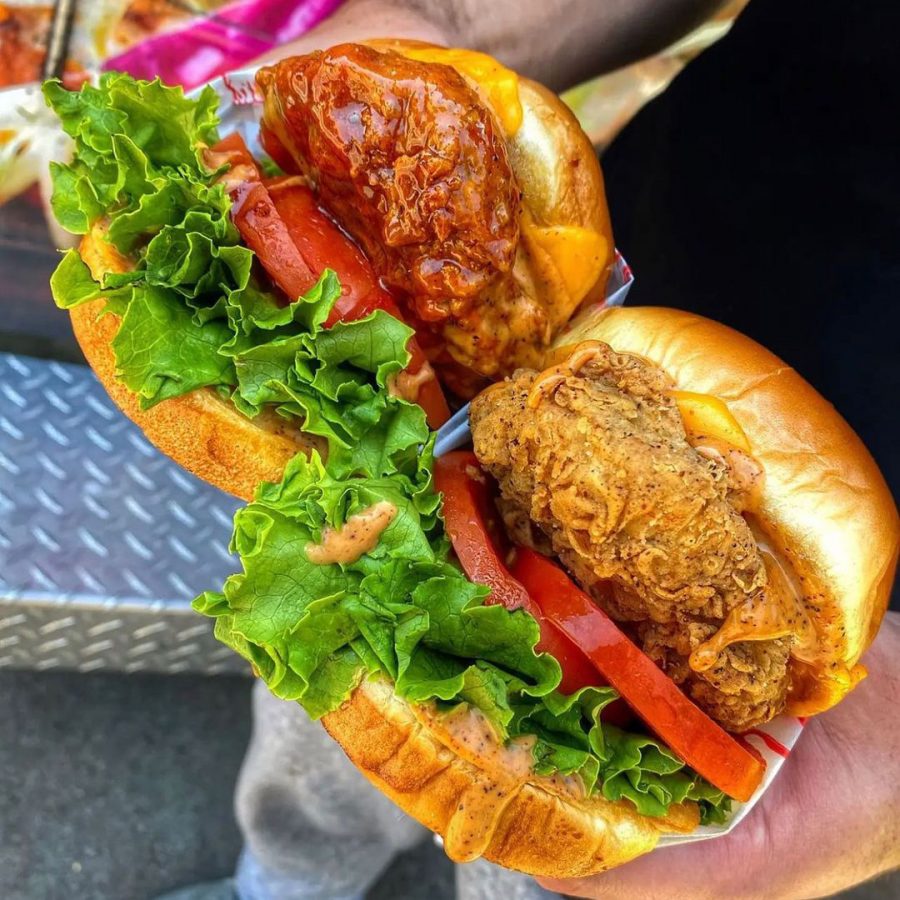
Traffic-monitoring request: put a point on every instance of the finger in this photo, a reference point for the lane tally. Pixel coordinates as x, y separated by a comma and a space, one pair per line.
709, 870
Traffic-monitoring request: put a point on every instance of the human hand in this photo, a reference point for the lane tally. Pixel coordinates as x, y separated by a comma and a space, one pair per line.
828, 822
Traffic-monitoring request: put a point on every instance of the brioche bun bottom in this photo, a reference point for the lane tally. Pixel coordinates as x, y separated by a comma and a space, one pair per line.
201, 431
477, 806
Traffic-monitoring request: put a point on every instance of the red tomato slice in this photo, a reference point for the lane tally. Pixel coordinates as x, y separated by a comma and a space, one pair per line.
467, 518
295, 241
324, 246
682, 725
257, 219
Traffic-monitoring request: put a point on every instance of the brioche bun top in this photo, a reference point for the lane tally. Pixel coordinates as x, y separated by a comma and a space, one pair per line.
825, 505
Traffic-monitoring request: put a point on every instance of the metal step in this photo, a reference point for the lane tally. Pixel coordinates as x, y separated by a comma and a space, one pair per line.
103, 540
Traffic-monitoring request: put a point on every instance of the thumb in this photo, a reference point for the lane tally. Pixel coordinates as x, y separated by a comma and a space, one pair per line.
709, 870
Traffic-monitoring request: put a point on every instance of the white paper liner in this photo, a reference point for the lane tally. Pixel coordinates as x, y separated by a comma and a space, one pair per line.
774, 740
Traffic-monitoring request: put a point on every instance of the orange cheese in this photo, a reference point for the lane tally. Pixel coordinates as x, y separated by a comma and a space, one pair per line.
498, 85
578, 254
707, 416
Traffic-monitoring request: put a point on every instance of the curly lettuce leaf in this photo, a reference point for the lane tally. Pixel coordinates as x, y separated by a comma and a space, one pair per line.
405, 612
128, 136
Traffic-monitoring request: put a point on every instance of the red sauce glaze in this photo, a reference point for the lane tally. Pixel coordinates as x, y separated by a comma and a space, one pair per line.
409, 160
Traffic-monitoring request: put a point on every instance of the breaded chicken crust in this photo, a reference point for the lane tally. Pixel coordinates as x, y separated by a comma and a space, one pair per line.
603, 467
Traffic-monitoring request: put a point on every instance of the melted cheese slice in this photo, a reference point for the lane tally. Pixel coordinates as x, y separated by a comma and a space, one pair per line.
499, 85
706, 416
578, 254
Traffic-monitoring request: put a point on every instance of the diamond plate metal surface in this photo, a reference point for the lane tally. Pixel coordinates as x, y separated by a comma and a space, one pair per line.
103, 540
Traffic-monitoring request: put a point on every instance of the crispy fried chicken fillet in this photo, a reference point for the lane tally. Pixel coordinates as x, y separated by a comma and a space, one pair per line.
754, 437
603, 466
474, 193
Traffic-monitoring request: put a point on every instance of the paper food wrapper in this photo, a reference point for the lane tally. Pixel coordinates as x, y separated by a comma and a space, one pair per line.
774, 741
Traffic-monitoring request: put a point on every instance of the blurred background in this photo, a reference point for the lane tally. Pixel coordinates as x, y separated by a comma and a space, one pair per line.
762, 188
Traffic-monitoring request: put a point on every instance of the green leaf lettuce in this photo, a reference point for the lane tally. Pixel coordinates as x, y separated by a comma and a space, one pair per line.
404, 611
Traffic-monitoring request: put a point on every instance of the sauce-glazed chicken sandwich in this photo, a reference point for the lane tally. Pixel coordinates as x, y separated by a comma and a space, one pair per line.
548, 648
436, 184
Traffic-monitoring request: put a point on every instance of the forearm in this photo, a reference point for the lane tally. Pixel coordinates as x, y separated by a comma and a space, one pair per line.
557, 42
563, 42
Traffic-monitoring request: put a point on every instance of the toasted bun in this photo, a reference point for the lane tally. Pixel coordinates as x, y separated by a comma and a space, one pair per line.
825, 504
200, 431
473, 802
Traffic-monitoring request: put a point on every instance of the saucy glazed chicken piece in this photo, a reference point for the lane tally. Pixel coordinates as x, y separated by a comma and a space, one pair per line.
410, 162
599, 461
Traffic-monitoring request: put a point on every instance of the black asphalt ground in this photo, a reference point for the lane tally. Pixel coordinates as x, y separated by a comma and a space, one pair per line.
761, 189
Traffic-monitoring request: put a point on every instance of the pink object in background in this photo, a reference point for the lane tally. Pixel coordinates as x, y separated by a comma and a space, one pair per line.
226, 39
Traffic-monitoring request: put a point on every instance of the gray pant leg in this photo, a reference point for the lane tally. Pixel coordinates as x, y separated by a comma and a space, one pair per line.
313, 826
481, 880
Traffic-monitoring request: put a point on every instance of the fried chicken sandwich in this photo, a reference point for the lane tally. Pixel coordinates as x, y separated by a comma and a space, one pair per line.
546, 649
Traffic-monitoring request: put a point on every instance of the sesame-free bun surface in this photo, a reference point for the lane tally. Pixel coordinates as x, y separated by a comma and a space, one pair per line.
200, 431
825, 504
473, 802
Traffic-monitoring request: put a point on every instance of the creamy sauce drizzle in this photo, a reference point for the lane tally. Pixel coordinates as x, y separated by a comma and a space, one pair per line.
544, 386
289, 181
747, 475
775, 611
502, 771
407, 385
357, 536
237, 174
